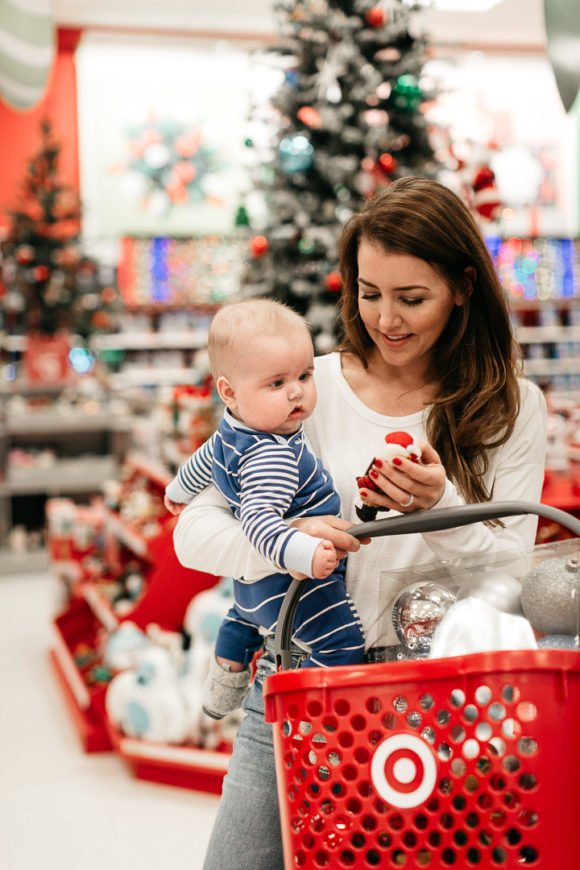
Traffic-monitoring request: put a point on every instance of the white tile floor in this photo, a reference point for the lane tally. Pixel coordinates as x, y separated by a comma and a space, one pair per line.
60, 808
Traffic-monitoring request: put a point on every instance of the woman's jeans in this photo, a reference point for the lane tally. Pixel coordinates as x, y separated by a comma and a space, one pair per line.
246, 834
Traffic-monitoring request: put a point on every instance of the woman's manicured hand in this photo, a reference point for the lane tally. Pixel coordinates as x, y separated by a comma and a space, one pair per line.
333, 529
408, 486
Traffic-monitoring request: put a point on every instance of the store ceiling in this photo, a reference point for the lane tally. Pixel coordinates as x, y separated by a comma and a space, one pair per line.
511, 22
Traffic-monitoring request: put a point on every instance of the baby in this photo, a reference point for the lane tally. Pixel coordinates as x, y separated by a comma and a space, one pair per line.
262, 360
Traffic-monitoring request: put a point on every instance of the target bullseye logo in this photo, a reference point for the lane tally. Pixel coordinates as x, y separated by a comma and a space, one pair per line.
403, 770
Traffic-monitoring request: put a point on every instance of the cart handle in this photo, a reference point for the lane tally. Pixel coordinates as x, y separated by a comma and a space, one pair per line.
422, 521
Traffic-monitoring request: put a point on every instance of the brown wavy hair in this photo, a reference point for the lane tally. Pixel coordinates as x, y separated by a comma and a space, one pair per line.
476, 357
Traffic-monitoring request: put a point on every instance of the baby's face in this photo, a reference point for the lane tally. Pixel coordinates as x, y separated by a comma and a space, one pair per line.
273, 383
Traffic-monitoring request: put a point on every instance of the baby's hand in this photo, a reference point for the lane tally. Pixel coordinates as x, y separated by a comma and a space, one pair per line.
324, 560
174, 507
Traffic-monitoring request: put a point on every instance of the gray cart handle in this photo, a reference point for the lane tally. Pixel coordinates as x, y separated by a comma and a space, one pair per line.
422, 521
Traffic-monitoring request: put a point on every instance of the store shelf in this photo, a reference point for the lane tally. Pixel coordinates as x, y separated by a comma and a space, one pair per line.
188, 340
133, 376
546, 367
68, 476
184, 766
547, 334
48, 422
86, 704
33, 562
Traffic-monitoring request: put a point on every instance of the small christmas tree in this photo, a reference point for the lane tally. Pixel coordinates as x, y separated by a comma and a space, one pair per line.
350, 121
46, 284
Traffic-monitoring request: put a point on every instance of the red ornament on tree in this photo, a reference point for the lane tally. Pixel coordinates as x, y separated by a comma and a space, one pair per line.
388, 162
309, 116
259, 245
375, 17
333, 282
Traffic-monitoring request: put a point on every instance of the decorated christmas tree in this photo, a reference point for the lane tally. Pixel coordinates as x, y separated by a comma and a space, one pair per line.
350, 120
47, 285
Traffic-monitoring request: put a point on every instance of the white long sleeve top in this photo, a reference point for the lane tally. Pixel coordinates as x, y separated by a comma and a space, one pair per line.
346, 434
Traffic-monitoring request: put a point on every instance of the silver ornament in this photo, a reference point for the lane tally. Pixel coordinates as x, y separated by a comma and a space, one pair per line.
500, 590
416, 614
550, 596
558, 641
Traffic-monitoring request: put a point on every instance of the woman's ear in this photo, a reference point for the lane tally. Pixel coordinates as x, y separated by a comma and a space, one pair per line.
470, 279
226, 391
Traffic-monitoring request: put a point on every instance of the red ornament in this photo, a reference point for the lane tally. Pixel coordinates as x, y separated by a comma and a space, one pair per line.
375, 17
24, 254
388, 162
259, 245
333, 282
40, 273
310, 117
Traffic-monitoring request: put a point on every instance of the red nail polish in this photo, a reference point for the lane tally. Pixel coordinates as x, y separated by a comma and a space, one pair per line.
374, 473
379, 463
363, 493
397, 461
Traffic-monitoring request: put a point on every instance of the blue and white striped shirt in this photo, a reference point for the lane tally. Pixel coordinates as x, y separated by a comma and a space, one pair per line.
266, 480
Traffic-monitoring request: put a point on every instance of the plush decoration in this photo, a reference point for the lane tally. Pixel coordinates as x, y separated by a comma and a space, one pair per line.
397, 444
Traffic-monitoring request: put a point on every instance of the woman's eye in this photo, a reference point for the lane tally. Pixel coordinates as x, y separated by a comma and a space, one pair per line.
411, 301
369, 297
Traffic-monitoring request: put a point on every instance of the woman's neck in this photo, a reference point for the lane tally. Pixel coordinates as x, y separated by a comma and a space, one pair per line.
389, 390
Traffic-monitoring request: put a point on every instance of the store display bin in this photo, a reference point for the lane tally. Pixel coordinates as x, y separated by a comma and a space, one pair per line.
456, 762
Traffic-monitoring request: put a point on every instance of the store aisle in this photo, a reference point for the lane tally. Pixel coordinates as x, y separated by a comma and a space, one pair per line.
60, 808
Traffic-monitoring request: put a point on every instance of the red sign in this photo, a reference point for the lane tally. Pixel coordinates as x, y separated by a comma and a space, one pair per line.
46, 359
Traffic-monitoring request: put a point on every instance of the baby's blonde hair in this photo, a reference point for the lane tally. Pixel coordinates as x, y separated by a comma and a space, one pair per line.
237, 323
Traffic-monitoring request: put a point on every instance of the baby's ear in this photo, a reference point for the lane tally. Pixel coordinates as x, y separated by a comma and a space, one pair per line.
225, 391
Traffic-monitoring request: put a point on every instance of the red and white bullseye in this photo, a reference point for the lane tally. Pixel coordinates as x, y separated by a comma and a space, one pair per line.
403, 770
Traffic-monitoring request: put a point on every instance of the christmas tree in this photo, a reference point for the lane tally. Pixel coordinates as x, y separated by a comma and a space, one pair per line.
350, 121
47, 285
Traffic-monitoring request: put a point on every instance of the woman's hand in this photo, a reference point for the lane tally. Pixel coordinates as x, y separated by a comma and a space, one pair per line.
407, 486
333, 529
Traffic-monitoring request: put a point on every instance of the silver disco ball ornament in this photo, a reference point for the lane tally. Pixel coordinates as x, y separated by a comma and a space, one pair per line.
416, 614
550, 596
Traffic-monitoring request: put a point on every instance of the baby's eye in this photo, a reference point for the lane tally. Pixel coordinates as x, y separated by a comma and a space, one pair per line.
305, 376
277, 383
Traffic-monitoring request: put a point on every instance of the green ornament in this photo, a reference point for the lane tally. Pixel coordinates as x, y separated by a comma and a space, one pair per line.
242, 219
407, 94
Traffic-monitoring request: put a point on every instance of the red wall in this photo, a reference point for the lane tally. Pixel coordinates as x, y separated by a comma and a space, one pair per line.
20, 130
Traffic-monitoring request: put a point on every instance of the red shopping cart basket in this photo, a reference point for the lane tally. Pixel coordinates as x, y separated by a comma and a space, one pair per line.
457, 762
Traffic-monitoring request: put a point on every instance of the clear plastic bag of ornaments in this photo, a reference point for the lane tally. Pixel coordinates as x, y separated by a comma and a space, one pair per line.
514, 599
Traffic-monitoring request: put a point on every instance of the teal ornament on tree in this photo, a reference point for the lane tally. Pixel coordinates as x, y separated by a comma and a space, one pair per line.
296, 153
406, 94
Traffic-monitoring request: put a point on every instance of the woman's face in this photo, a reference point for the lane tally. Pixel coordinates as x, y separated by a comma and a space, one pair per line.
404, 304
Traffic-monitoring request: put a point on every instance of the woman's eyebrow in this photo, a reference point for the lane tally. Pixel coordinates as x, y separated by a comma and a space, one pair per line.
402, 288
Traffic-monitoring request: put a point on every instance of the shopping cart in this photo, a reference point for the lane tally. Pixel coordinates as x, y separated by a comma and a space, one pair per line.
470, 761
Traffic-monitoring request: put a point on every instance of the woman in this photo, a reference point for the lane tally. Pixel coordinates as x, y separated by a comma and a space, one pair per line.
427, 349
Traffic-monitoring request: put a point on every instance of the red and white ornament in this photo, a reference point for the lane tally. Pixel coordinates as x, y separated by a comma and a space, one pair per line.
403, 445
486, 198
